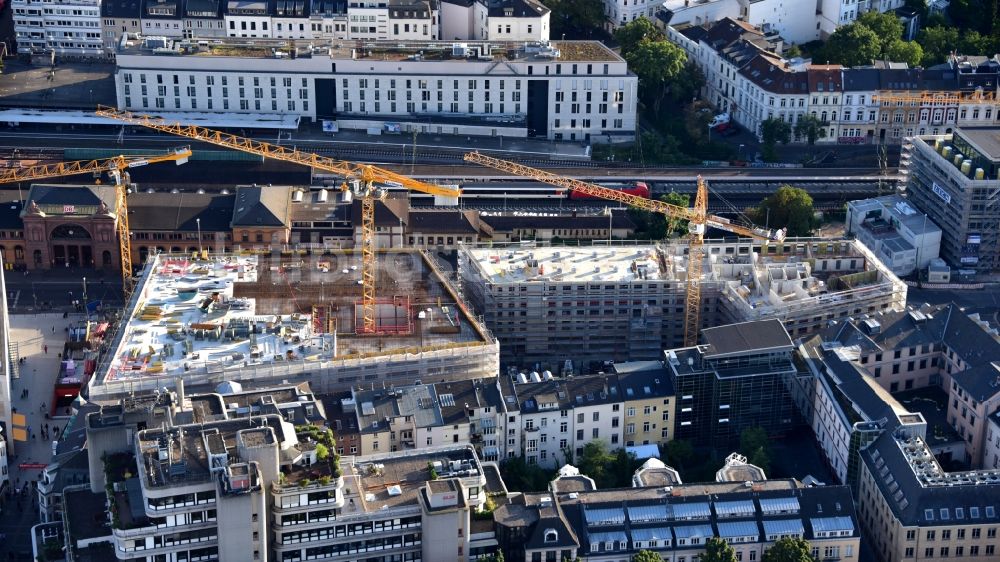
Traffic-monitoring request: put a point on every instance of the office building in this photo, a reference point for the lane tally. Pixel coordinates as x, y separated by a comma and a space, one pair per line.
67, 28
739, 379
311, 333
676, 520
563, 90
569, 309
902, 236
953, 178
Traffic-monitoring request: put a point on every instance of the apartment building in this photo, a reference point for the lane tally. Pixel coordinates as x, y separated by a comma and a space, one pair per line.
902, 236
222, 477
119, 18
953, 178
991, 446
69, 28
738, 379
575, 91
560, 416
649, 402
831, 14
675, 521
620, 12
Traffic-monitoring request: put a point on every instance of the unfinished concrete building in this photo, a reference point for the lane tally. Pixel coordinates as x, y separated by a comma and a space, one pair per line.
568, 309
266, 319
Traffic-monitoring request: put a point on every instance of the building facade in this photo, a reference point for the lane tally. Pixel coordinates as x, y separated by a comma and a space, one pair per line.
738, 380
953, 178
575, 91
903, 237
71, 28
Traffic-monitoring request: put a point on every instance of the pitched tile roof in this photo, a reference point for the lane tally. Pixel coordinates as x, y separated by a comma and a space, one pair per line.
262, 206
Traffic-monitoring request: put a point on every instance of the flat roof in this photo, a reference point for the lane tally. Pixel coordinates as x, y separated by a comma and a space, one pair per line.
746, 337
554, 264
985, 139
225, 120
206, 316
393, 480
409, 51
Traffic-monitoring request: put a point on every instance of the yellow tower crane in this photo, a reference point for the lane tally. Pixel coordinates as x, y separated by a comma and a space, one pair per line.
117, 167
697, 217
365, 176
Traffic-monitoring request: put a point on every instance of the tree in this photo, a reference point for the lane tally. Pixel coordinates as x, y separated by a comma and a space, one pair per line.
975, 43
697, 116
676, 226
687, 83
789, 549
753, 438
679, 453
793, 52
773, 131
322, 452
811, 127
886, 26
909, 52
718, 550
495, 557
636, 31
788, 207
937, 42
646, 556
852, 45
576, 19
607, 469
657, 64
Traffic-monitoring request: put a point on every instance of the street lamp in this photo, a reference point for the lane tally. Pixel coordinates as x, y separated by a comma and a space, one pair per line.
198, 222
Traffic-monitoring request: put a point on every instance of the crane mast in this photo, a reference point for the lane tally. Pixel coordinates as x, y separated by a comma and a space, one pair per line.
697, 216
363, 176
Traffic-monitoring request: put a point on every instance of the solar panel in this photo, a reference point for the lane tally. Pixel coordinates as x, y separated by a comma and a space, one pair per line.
779, 505
607, 516
696, 510
447, 400
734, 508
731, 529
783, 527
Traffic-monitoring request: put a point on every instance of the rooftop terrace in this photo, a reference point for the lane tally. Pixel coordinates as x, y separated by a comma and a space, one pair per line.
393, 480
225, 317
409, 51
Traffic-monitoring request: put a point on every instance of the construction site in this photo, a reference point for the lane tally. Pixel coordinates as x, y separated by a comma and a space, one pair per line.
261, 320
569, 309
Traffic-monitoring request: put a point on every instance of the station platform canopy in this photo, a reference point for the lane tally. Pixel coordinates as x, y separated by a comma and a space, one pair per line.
214, 120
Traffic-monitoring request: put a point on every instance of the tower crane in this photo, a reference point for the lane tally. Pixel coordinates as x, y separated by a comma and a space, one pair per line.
697, 217
363, 176
117, 167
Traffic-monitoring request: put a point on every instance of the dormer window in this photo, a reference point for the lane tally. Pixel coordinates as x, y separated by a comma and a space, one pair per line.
551, 536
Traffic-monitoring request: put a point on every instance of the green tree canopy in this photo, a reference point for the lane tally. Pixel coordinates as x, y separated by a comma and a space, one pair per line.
607, 469
937, 42
657, 64
676, 226
772, 131
788, 207
789, 550
718, 550
886, 26
909, 52
679, 453
852, 45
577, 19
646, 556
811, 127
636, 31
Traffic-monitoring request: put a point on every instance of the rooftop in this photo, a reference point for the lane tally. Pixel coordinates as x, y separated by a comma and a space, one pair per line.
746, 337
408, 51
568, 265
395, 479
193, 318
984, 139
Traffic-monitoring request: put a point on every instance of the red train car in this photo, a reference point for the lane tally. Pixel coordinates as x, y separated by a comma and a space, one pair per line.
639, 189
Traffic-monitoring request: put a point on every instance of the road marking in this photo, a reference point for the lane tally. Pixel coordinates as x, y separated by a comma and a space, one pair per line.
14, 297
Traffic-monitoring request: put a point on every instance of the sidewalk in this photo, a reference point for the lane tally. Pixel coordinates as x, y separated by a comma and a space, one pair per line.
38, 374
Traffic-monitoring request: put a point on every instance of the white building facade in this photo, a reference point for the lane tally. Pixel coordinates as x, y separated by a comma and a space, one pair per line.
575, 91
71, 28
